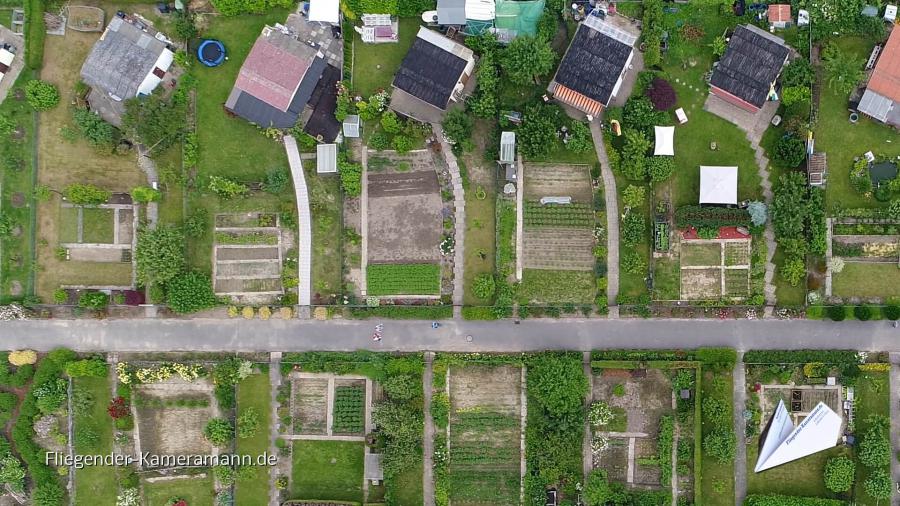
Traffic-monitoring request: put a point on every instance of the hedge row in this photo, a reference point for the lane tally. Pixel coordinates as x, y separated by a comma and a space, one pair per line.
789, 500
718, 357
404, 312
35, 31
697, 216
838, 357
478, 313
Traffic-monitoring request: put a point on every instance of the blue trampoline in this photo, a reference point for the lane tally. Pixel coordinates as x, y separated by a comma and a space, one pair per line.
211, 53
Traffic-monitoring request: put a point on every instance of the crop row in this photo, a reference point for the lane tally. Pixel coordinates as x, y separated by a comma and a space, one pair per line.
349, 410
403, 279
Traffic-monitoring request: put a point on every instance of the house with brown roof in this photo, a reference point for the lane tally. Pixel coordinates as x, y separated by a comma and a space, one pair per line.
745, 75
435, 73
594, 66
283, 81
881, 100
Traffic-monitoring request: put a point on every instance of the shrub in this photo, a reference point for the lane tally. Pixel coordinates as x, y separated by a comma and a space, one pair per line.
632, 263
218, 431
89, 367
634, 228
790, 151
836, 313
160, 254
634, 196
661, 93
875, 448
720, 444
226, 188
95, 130
190, 292
660, 168
402, 387
379, 141
351, 177
457, 126
41, 95
484, 286
93, 300
878, 485
402, 144
144, 194
891, 312
277, 180
248, 423
48, 494
22, 357
86, 194
862, 313
839, 474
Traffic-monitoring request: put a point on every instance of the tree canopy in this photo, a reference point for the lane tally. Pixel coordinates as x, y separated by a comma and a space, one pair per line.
160, 254
526, 58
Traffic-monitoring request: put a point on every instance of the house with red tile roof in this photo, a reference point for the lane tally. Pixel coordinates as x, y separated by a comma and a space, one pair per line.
881, 100
280, 77
780, 15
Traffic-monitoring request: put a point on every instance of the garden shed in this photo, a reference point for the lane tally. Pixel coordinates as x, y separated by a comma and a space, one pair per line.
374, 471
665, 141
326, 158
718, 185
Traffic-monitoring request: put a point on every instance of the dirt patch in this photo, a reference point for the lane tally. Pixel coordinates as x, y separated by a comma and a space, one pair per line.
405, 229
701, 283
15, 288
310, 407
559, 248
175, 430
125, 226
263, 253
645, 449
17, 200
645, 399
496, 387
398, 185
558, 180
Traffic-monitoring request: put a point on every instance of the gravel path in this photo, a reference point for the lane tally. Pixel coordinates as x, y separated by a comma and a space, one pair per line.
612, 220
740, 430
459, 206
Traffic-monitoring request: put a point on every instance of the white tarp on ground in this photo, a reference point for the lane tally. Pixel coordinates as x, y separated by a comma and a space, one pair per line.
325, 11
6, 58
819, 431
718, 185
665, 141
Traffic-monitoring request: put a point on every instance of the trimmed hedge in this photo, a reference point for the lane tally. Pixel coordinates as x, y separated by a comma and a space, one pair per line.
717, 357
838, 357
697, 216
404, 312
478, 313
789, 500
35, 31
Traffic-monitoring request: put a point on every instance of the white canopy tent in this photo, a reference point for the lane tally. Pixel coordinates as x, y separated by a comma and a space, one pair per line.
819, 431
325, 11
718, 185
665, 141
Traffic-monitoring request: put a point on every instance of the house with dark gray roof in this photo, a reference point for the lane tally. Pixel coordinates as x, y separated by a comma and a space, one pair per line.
435, 73
594, 66
130, 59
745, 75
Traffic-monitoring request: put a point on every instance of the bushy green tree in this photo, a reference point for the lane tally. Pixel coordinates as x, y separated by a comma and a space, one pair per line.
379, 141
536, 136
526, 58
402, 387
190, 292
159, 254
599, 492
634, 196
580, 140
633, 163
799, 72
218, 431
156, 121
41, 95
793, 270
391, 123
790, 151
878, 484
95, 130
402, 144
875, 447
634, 228
840, 473
660, 168
48, 494
844, 69
458, 126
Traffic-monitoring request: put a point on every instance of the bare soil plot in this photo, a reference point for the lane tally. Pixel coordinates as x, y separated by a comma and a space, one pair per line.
700, 253
248, 253
645, 451
737, 253
310, 406
648, 395
485, 433
169, 429
404, 211
559, 248
558, 180
737, 282
701, 283
615, 460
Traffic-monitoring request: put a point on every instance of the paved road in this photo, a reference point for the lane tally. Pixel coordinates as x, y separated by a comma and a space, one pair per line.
300, 335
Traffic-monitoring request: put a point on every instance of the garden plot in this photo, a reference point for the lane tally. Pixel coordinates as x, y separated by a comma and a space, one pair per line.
248, 250
870, 253
557, 237
327, 406
404, 209
170, 417
484, 434
711, 269
104, 233
639, 400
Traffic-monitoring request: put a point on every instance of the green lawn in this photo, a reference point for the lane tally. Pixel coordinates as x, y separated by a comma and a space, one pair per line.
98, 225
374, 65
68, 224
231, 146
171, 207
785, 294
666, 279
873, 389
406, 489
633, 285
95, 484
328, 470
325, 203
13, 182
842, 140
556, 286
867, 280
717, 487
403, 279
196, 491
701, 254
480, 244
254, 392
801, 477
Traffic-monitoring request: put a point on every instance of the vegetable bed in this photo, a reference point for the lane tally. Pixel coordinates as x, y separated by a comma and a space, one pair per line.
403, 279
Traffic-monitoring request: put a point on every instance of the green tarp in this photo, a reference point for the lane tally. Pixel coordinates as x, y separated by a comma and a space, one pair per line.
519, 17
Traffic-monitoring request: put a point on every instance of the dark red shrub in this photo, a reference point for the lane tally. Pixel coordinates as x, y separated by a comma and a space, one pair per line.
661, 93
118, 408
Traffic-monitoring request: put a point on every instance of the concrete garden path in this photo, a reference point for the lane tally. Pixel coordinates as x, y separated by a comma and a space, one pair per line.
612, 220
275, 382
428, 443
459, 206
740, 429
304, 220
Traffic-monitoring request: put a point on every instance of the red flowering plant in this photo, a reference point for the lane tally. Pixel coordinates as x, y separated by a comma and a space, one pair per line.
177, 501
118, 408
